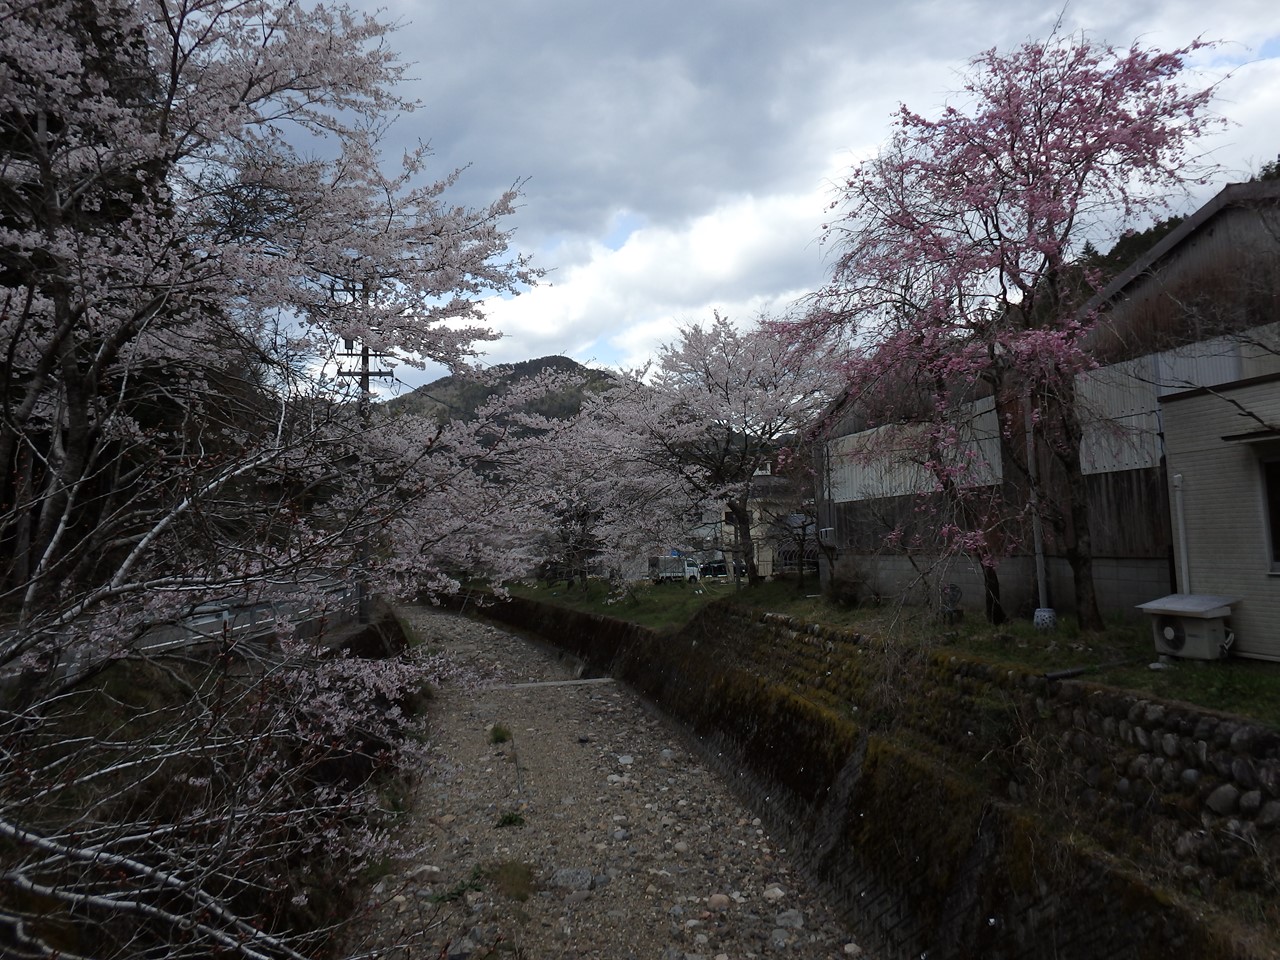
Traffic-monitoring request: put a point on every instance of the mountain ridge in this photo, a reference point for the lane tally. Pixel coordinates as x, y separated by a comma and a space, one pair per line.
458, 396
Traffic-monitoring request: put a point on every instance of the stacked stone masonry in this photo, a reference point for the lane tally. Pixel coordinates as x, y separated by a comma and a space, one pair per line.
1200, 791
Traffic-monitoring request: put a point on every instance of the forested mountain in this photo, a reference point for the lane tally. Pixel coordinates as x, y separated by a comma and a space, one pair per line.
458, 397
1127, 249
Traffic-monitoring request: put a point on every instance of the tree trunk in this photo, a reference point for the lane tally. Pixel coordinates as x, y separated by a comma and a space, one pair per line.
1080, 556
742, 524
1079, 550
991, 595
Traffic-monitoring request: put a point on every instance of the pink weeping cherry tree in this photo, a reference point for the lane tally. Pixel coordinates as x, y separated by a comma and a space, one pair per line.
954, 273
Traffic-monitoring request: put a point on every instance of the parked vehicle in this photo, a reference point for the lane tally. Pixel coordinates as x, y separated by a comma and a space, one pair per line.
720, 568
673, 568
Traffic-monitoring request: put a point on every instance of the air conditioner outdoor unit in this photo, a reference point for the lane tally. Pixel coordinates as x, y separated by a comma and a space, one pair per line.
1191, 626
1191, 637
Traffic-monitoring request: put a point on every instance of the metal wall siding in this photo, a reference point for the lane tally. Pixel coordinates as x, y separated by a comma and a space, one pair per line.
883, 462
1121, 402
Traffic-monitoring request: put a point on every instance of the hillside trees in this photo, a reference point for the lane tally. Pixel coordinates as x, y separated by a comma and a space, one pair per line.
717, 407
954, 250
193, 213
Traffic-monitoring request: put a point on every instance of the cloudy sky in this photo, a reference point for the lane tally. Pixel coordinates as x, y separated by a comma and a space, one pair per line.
678, 154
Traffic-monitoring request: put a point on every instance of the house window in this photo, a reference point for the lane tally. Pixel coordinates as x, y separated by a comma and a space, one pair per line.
1271, 478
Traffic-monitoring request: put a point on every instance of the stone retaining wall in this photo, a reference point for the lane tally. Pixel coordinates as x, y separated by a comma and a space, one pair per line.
957, 809
1196, 794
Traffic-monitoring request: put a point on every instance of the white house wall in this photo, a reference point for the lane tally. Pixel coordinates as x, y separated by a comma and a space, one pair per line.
1224, 504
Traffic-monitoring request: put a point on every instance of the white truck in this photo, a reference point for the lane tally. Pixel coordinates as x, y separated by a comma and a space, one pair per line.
673, 568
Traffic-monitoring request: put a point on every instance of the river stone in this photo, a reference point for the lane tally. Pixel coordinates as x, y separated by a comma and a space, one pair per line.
572, 878
1205, 727
727, 850
1269, 778
1226, 730
1223, 800
1242, 739
1244, 772
1269, 815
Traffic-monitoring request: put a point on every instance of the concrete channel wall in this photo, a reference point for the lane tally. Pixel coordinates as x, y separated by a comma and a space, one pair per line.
954, 809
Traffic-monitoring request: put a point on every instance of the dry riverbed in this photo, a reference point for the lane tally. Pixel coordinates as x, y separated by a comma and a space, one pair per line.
562, 818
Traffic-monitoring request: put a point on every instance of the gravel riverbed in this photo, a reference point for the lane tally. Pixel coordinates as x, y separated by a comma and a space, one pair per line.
562, 817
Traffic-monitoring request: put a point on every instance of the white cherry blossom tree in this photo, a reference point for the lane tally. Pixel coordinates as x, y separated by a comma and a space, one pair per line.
716, 408
194, 215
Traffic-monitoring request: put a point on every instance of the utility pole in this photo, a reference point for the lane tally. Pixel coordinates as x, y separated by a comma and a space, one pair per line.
1045, 617
364, 372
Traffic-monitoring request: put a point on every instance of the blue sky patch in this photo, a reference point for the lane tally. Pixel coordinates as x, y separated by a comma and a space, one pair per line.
623, 224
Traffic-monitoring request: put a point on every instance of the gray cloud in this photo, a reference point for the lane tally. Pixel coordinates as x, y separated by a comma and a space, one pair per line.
660, 107
670, 116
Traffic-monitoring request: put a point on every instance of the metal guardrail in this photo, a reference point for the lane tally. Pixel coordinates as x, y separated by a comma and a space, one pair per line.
227, 619
218, 621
